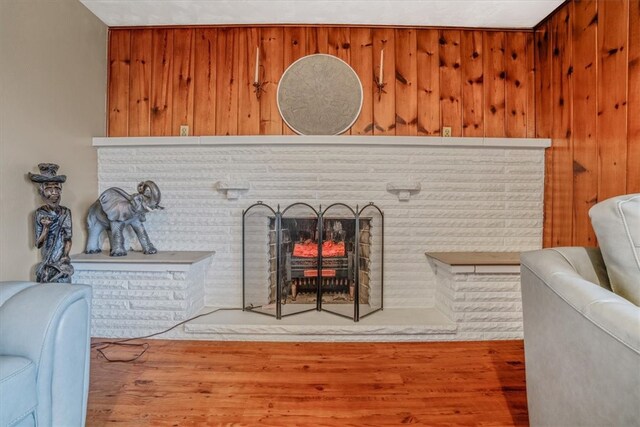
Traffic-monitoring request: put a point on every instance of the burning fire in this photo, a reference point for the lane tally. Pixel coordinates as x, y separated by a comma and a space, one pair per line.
309, 249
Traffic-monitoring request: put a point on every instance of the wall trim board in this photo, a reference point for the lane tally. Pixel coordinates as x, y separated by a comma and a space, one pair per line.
404, 27
298, 140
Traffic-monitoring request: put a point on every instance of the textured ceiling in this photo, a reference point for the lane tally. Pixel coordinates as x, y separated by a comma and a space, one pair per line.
443, 13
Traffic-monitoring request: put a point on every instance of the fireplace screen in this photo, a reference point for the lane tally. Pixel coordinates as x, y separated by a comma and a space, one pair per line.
301, 259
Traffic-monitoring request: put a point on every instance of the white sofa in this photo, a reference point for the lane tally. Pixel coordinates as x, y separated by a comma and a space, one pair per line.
582, 342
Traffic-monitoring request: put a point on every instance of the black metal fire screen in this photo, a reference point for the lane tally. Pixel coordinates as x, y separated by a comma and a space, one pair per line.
301, 259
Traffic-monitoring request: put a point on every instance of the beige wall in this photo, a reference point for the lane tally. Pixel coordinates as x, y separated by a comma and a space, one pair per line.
52, 102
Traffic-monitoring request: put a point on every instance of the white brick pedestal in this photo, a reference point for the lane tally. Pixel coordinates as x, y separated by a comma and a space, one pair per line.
140, 294
480, 292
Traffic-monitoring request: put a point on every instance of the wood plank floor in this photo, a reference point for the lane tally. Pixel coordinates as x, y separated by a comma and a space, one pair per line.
200, 383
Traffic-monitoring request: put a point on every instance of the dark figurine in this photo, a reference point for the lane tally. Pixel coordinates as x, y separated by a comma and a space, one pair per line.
52, 227
114, 210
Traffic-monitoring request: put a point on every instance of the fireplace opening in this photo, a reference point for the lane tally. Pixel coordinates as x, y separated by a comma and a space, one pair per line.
329, 260
336, 255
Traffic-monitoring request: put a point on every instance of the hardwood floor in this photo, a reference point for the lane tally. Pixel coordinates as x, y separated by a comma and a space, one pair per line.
200, 383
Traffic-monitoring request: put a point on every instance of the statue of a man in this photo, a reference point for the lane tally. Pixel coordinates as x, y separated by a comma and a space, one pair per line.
52, 227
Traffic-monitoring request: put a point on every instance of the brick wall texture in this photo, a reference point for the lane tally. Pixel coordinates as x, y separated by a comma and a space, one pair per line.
472, 199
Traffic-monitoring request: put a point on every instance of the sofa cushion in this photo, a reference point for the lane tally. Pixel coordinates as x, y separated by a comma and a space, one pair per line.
17, 389
616, 222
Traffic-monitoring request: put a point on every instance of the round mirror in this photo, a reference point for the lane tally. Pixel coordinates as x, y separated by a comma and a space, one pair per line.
319, 95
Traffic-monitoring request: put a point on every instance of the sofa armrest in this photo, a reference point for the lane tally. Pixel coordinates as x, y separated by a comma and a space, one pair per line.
586, 262
50, 325
582, 342
9, 289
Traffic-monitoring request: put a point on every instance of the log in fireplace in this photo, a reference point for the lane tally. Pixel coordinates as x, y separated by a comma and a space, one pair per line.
301, 259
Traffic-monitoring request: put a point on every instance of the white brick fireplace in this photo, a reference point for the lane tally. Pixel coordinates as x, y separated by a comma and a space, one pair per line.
475, 194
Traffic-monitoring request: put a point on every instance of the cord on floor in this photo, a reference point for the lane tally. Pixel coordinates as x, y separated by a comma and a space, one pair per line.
100, 346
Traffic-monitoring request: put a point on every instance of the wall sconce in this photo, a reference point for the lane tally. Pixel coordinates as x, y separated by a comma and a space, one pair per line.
380, 80
257, 84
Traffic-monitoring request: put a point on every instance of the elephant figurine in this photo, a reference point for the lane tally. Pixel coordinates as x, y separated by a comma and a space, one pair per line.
114, 210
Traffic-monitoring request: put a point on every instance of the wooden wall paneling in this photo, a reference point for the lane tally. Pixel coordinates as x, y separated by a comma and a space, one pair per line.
494, 84
450, 81
562, 179
227, 84
317, 40
406, 82
531, 87
542, 40
428, 63
295, 47
339, 41
248, 104
384, 104
516, 85
633, 111
294, 43
140, 82
162, 82
472, 84
585, 113
205, 77
119, 67
272, 57
613, 17
362, 63
543, 102
183, 72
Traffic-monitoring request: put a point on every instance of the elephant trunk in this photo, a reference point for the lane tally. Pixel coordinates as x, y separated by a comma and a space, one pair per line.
152, 195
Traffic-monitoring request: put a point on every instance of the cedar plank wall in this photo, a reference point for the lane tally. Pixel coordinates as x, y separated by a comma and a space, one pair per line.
587, 62
584, 92
480, 83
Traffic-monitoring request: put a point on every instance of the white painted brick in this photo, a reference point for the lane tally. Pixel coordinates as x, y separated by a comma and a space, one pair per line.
158, 305
492, 296
472, 199
106, 304
491, 317
508, 287
168, 285
131, 314
486, 306
102, 294
490, 326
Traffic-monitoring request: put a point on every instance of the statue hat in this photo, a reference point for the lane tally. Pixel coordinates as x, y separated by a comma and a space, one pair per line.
47, 174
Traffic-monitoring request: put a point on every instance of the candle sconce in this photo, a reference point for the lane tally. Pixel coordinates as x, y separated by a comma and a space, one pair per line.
258, 86
380, 85
380, 80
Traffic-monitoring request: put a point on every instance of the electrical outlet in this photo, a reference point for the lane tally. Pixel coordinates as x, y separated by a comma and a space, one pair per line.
446, 131
184, 130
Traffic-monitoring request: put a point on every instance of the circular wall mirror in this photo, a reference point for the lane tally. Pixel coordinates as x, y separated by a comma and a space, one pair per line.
319, 95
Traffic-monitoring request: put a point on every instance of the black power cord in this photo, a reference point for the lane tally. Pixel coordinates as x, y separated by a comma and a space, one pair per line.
100, 346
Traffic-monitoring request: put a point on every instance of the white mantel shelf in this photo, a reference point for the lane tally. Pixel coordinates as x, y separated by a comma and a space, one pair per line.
137, 261
365, 141
476, 262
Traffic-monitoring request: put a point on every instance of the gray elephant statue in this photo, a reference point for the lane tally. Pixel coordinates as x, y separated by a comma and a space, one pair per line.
114, 210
